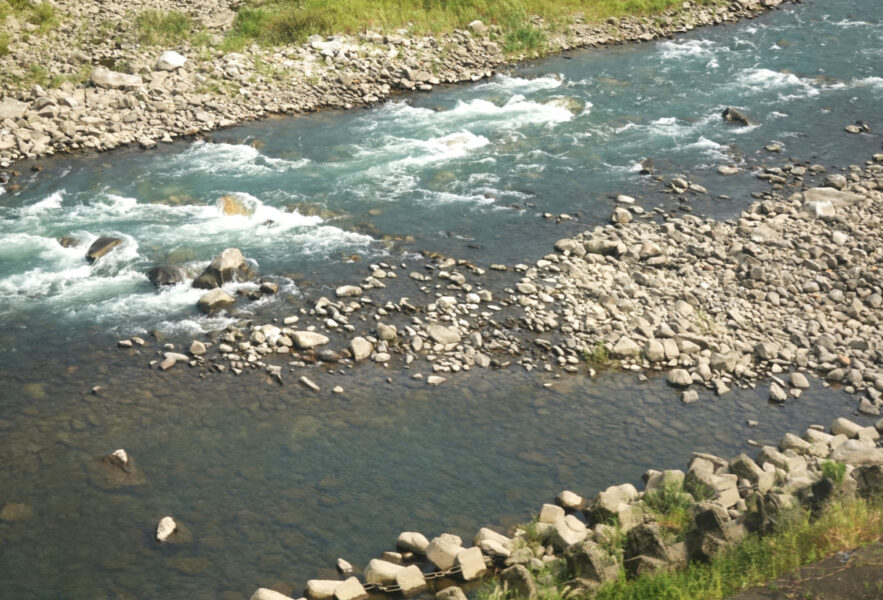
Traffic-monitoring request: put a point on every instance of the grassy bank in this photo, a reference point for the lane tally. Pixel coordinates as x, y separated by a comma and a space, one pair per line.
756, 560
275, 22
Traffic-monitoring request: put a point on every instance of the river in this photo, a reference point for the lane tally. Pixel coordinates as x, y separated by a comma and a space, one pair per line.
274, 483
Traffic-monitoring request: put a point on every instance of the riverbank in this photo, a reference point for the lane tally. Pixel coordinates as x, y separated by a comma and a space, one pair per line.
718, 528
91, 77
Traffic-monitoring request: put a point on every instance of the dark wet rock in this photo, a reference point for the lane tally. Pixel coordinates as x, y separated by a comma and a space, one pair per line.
734, 115
870, 481
328, 355
67, 241
229, 265
517, 581
101, 246
163, 276
588, 560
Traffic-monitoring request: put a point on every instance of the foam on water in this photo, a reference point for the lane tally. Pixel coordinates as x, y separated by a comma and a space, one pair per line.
521, 85
760, 80
51, 202
236, 160
874, 82
671, 50
515, 113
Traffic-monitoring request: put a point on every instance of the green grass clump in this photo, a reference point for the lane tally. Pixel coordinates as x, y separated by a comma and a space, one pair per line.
833, 470
43, 15
671, 507
4, 44
758, 560
275, 22
598, 356
155, 27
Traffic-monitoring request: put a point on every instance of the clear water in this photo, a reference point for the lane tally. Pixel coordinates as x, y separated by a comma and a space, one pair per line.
275, 483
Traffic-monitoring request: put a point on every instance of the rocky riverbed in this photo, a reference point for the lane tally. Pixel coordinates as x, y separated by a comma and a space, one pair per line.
577, 544
788, 290
89, 84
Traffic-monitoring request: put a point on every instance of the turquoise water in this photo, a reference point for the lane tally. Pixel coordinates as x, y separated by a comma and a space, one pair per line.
275, 483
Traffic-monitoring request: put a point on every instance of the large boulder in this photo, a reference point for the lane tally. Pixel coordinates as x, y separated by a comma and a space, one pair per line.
105, 78
227, 266
471, 563
410, 580
381, 571
443, 550
164, 276
101, 246
215, 300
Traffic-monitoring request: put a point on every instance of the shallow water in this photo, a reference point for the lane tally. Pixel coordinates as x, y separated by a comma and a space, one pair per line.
274, 483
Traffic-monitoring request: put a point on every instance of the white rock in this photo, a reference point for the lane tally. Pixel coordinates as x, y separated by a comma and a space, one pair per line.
410, 580
381, 571
435, 380
361, 348
309, 339
569, 500
443, 335
322, 589
413, 541
121, 457
471, 561
443, 550
348, 291
550, 513
169, 61
105, 78
268, 594
165, 528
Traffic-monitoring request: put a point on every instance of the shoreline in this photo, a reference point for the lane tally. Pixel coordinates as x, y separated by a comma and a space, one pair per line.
216, 90
578, 545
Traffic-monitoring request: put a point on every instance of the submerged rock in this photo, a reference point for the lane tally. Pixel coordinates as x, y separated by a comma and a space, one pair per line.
16, 511
734, 115
164, 276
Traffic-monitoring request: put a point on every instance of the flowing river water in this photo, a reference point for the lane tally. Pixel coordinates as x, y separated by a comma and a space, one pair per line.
274, 483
